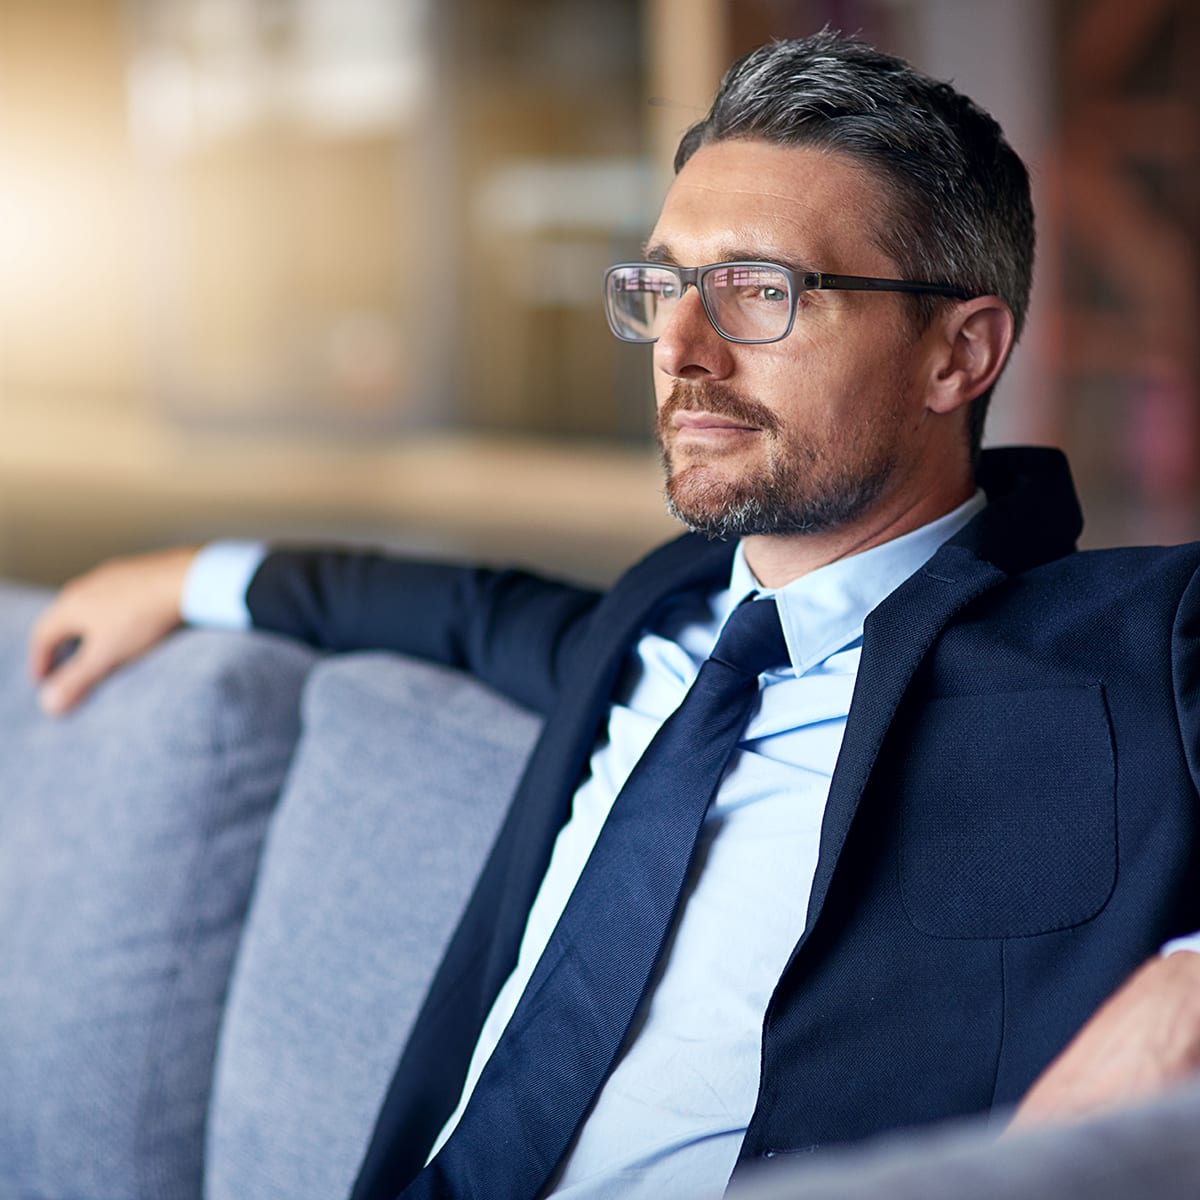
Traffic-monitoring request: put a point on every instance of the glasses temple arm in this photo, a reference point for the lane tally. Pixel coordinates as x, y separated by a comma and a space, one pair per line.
818, 280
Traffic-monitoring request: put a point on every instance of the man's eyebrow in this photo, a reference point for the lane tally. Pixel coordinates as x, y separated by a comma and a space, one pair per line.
658, 253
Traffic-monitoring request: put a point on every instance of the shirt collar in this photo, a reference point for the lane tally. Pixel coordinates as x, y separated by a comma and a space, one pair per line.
824, 611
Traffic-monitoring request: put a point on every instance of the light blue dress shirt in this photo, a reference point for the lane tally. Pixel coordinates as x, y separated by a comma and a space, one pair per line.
214, 590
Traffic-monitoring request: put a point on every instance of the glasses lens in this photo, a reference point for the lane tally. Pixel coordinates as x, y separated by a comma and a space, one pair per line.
748, 301
639, 300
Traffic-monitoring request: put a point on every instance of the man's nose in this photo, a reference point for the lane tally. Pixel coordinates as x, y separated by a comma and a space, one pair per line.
688, 346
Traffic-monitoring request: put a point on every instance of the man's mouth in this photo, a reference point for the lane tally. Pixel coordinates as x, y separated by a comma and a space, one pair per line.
707, 423
703, 423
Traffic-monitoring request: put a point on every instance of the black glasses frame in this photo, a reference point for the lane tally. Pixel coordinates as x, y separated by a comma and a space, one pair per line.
799, 282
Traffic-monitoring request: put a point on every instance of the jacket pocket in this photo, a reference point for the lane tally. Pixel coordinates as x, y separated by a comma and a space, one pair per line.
1008, 818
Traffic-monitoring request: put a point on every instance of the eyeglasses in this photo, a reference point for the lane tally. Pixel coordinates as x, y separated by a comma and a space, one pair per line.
750, 302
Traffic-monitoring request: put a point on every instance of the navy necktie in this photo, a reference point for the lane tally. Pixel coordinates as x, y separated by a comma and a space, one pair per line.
587, 987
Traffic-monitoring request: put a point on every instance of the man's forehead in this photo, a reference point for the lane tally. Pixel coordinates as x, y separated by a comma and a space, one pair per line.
801, 206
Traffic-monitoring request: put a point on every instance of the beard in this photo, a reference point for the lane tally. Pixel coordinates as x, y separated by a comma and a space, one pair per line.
796, 486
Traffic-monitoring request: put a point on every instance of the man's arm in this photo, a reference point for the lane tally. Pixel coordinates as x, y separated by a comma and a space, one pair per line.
512, 629
1145, 1039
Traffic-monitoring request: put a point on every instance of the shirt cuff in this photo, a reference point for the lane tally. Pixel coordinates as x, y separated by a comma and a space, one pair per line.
1190, 941
214, 591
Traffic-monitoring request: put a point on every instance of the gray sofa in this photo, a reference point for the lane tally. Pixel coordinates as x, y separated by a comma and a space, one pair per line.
224, 883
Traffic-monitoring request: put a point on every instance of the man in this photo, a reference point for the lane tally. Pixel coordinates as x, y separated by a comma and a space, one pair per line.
962, 808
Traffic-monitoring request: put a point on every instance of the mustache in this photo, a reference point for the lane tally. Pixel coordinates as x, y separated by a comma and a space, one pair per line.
718, 399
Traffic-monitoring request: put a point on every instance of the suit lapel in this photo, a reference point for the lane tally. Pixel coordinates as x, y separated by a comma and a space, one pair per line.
896, 637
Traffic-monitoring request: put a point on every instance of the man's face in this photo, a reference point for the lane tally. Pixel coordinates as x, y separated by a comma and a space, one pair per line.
809, 433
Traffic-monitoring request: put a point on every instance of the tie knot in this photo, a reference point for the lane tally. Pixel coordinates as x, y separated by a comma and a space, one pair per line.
752, 640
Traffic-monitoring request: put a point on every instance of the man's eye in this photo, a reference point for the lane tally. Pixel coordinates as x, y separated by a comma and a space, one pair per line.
764, 292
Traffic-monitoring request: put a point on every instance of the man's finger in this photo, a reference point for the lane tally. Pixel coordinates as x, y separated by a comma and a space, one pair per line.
47, 634
69, 683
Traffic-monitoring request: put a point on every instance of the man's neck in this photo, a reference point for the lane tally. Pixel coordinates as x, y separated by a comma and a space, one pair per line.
777, 559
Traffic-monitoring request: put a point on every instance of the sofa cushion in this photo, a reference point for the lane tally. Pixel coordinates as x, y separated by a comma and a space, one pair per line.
129, 837
400, 781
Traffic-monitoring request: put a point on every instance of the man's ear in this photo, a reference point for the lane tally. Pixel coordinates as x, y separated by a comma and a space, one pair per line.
973, 339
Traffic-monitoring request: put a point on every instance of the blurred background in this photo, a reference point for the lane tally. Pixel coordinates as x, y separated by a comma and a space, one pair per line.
296, 268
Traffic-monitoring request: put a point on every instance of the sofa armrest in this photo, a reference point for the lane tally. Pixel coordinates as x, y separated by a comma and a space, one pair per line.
1149, 1150
130, 833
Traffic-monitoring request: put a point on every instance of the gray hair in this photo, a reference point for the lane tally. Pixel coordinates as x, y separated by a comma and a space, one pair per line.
960, 210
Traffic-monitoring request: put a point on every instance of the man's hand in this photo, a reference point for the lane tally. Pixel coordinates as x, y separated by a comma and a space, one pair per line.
111, 615
1143, 1040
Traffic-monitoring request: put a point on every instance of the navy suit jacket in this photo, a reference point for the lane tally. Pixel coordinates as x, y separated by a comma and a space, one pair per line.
1010, 830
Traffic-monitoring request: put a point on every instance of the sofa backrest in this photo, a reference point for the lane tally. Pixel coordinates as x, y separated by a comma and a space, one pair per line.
400, 780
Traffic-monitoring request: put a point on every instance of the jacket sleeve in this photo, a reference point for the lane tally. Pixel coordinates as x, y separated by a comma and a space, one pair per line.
513, 630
